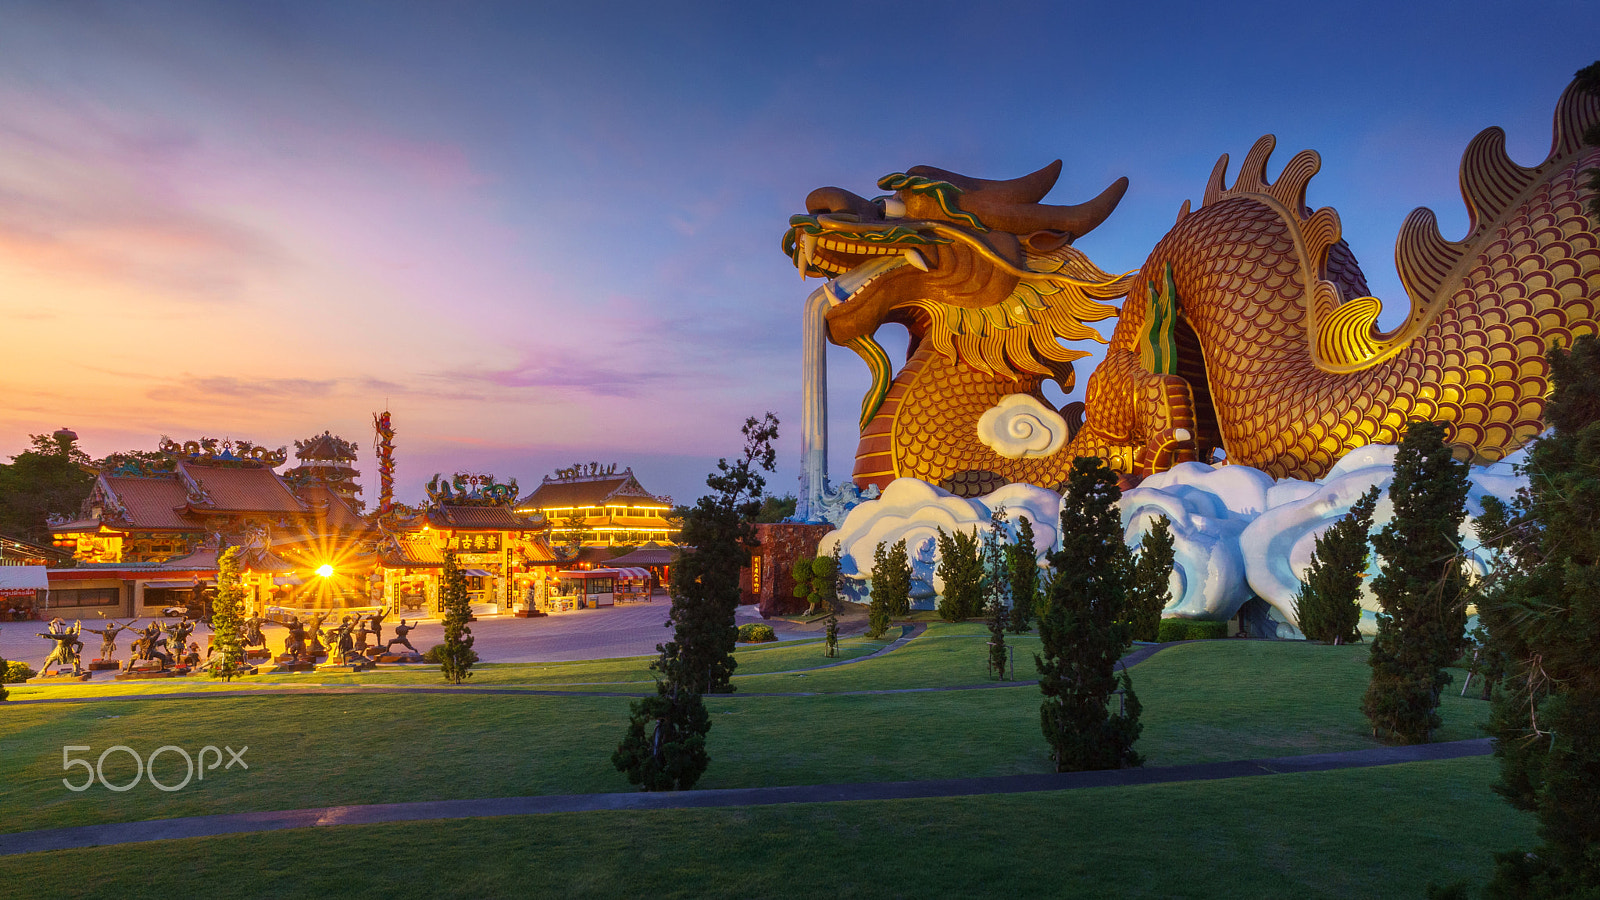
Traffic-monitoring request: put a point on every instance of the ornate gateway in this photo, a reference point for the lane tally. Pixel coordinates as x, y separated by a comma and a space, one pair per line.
1248, 331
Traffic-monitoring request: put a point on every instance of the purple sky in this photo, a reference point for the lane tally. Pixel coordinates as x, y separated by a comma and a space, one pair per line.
548, 233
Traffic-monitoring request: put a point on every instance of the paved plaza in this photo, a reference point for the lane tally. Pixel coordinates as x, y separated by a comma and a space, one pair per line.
630, 630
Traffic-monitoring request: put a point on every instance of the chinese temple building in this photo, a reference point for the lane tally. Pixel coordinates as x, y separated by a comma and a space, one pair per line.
502, 554
327, 459
596, 506
148, 535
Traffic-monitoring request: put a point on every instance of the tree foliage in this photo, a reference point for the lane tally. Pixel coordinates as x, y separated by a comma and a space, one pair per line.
1420, 588
1083, 628
705, 581
664, 748
878, 607
1151, 589
996, 588
961, 568
891, 579
227, 618
456, 655
50, 478
1542, 617
1328, 606
1022, 567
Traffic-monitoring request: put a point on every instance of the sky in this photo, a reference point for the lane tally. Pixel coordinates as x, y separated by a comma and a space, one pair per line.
548, 233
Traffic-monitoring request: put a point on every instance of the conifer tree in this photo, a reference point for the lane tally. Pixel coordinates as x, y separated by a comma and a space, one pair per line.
227, 618
878, 608
456, 656
891, 578
665, 745
1420, 589
4, 670
1329, 604
801, 570
824, 584
961, 567
996, 587
831, 640
1543, 617
1022, 566
1151, 590
705, 581
1083, 627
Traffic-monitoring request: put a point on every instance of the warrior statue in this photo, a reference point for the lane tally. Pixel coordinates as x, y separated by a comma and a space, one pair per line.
108, 637
68, 646
400, 637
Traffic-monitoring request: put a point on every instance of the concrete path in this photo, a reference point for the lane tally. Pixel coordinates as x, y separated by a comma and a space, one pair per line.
243, 823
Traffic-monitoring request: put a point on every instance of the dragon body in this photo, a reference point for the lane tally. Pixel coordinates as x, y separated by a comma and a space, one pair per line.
1247, 334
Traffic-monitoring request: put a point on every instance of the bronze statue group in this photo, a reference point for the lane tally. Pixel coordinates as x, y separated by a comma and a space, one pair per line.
166, 648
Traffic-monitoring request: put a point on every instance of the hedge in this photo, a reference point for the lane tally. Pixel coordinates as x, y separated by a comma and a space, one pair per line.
1190, 630
756, 633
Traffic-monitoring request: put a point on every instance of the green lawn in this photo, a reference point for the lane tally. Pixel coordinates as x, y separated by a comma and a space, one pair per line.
1383, 832
1207, 701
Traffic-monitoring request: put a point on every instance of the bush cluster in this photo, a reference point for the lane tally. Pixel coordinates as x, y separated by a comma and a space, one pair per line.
17, 672
756, 633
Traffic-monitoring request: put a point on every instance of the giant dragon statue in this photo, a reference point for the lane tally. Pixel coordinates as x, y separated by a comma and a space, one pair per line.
1247, 333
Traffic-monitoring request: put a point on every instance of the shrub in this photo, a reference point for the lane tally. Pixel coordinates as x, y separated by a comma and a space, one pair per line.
435, 655
756, 633
1207, 631
17, 672
824, 583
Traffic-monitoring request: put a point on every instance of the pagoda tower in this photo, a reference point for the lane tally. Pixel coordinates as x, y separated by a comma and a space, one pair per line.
327, 459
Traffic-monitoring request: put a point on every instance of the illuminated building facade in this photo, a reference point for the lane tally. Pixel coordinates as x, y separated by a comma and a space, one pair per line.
597, 506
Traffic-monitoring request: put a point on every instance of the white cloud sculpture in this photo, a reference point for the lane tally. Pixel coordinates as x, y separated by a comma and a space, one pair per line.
1209, 508
1235, 530
1020, 426
913, 511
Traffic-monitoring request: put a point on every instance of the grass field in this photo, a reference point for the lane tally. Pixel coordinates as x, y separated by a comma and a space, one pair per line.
1205, 701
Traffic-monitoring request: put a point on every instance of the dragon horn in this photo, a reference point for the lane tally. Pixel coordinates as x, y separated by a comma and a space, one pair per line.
1027, 189
1023, 218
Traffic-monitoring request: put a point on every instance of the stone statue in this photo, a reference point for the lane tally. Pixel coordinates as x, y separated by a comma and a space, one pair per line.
149, 645
252, 633
375, 624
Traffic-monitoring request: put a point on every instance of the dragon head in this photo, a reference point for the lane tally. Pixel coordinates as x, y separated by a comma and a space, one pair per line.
980, 267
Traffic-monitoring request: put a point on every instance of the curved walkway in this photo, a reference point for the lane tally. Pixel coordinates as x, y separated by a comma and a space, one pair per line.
244, 823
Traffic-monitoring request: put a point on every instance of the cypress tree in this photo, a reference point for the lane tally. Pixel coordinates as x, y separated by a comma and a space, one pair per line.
1083, 627
1542, 616
892, 578
1151, 590
878, 609
996, 588
705, 582
227, 618
1328, 606
665, 745
457, 656
4, 671
1022, 565
961, 567
1420, 589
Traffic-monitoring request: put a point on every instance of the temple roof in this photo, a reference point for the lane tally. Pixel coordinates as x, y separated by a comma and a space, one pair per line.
647, 554
416, 551
340, 513
151, 503
325, 446
475, 518
592, 491
240, 489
